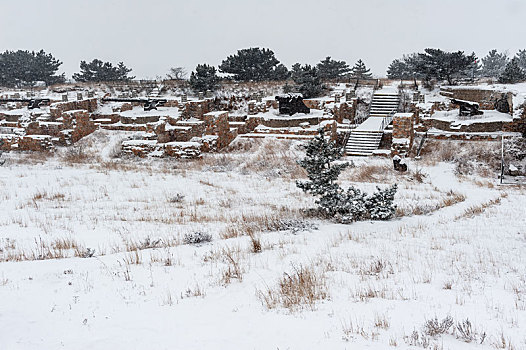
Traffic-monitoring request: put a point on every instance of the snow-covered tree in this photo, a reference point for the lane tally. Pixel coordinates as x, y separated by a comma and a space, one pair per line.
399, 69
513, 73
307, 80
360, 71
25, 68
204, 78
442, 65
254, 64
97, 71
521, 57
332, 69
494, 64
320, 163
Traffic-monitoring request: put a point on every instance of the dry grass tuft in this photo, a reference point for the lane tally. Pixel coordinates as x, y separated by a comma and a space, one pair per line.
303, 287
233, 269
451, 197
476, 210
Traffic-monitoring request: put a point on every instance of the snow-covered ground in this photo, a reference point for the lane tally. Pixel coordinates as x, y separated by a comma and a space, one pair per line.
457, 249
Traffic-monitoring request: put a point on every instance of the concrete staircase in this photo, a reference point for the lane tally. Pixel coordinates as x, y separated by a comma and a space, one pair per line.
363, 142
383, 104
366, 138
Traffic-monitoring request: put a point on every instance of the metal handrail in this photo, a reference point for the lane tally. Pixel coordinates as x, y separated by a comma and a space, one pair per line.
387, 120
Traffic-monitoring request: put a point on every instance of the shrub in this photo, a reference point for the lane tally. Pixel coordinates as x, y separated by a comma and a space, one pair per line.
434, 327
346, 205
197, 238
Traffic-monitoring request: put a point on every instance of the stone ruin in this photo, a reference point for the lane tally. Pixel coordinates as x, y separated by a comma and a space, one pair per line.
183, 128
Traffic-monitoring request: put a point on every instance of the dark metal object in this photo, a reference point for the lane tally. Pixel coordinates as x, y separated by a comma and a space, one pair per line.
291, 104
32, 103
502, 104
467, 108
148, 104
399, 164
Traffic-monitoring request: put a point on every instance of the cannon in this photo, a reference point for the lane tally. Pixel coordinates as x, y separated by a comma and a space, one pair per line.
148, 104
291, 104
32, 103
467, 108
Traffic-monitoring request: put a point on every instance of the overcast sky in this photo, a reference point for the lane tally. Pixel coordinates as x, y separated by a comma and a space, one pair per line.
152, 36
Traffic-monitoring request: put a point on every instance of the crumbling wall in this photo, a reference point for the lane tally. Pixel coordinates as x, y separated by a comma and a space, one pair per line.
56, 109
403, 133
486, 98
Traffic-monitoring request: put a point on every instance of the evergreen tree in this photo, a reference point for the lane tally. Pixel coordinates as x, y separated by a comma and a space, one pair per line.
360, 71
494, 64
404, 68
280, 73
204, 78
441, 65
97, 71
307, 80
399, 69
333, 201
521, 57
513, 73
24, 68
332, 69
253, 64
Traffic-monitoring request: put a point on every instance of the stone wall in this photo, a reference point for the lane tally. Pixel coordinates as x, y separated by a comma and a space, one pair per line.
486, 98
197, 109
345, 110
403, 133
37, 143
216, 123
289, 122
516, 125
56, 109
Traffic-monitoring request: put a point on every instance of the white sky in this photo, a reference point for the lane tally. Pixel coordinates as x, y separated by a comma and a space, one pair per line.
151, 36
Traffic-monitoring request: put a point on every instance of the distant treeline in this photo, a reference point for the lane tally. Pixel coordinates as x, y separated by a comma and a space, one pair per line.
29, 68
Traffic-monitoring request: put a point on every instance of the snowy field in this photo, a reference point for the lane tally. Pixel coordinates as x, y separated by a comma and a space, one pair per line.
95, 254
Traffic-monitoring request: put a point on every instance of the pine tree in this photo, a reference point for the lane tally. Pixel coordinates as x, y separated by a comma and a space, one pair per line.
320, 155
280, 73
494, 64
347, 206
307, 80
98, 71
513, 73
379, 205
204, 78
521, 57
24, 68
360, 71
441, 65
253, 64
405, 68
332, 69
398, 69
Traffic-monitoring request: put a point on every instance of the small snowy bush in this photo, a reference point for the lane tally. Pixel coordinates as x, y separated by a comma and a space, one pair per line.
178, 198
88, 253
333, 201
197, 238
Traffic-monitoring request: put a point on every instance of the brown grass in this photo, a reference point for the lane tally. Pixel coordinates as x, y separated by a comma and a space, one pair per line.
303, 287
476, 210
233, 269
448, 200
